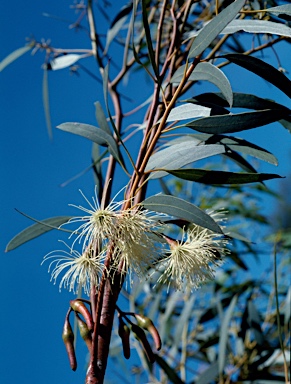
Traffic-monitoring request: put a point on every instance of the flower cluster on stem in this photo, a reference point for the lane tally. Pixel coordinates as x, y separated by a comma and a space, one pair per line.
137, 244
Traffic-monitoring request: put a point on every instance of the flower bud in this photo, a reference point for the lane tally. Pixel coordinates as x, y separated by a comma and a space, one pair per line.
68, 338
141, 337
147, 324
84, 332
80, 307
124, 333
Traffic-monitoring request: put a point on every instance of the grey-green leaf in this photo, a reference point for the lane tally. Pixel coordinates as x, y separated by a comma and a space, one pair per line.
36, 230
94, 134
178, 155
220, 177
236, 122
257, 26
46, 103
101, 118
181, 209
262, 69
65, 61
214, 27
234, 143
14, 55
224, 334
281, 10
208, 375
188, 111
209, 72
252, 26
116, 25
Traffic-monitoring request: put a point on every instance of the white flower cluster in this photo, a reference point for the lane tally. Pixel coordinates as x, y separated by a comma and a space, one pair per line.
135, 241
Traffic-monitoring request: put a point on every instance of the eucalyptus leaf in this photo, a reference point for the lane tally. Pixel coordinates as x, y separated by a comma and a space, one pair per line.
236, 122
65, 61
287, 307
252, 26
182, 209
240, 100
209, 72
208, 375
176, 156
223, 337
94, 134
101, 118
36, 230
14, 56
151, 52
254, 321
184, 319
117, 24
46, 103
286, 123
280, 10
262, 69
188, 111
169, 372
214, 27
233, 143
220, 177
257, 26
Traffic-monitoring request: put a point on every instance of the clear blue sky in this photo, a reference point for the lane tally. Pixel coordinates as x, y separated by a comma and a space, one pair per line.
32, 169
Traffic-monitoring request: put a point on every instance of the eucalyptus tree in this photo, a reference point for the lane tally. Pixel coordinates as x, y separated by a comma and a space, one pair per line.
157, 249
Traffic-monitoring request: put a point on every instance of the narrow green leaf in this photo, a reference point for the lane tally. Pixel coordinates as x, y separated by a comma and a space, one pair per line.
224, 334
97, 169
240, 100
281, 10
209, 72
208, 375
181, 209
220, 177
14, 56
252, 26
257, 26
286, 123
169, 372
105, 92
254, 321
287, 307
149, 39
214, 27
233, 143
184, 319
101, 118
65, 61
176, 156
36, 230
236, 122
262, 69
117, 24
188, 111
94, 134
46, 103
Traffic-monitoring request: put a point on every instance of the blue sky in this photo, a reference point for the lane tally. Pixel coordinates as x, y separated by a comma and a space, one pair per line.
33, 168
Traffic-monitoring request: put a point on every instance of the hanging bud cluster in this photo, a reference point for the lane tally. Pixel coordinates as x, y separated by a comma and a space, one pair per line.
85, 328
142, 323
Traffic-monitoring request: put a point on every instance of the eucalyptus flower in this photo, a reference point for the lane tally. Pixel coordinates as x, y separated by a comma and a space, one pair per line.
80, 270
193, 260
99, 224
133, 234
137, 244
